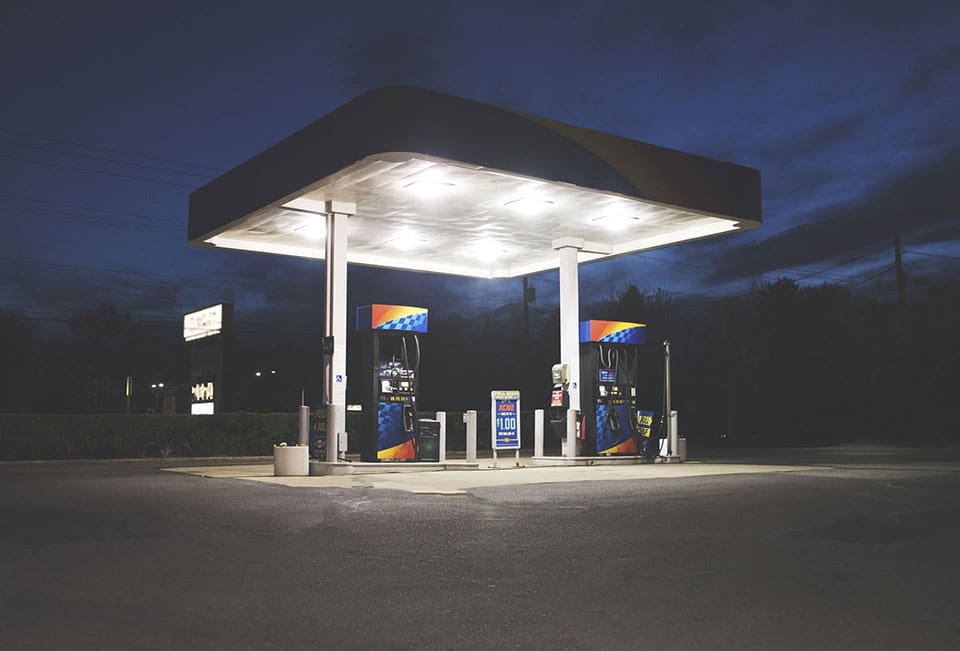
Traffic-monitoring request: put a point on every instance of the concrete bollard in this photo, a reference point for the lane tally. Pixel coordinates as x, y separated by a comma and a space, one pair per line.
538, 433
675, 432
303, 431
470, 418
442, 443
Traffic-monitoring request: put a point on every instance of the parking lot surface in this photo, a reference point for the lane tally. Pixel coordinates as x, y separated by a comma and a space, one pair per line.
850, 547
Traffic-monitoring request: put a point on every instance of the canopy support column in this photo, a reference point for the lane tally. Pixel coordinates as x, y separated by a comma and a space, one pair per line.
570, 315
335, 324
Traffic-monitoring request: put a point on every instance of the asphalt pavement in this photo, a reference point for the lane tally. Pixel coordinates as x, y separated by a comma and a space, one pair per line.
850, 548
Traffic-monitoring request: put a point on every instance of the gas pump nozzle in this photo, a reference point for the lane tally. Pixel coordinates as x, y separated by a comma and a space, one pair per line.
613, 419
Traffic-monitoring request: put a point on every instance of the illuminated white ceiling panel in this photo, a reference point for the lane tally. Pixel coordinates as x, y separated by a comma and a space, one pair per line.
423, 213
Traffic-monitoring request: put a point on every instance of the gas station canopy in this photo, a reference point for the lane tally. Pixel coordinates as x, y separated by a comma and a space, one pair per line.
443, 184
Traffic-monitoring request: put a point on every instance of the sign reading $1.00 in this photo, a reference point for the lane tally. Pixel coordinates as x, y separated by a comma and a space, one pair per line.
505, 420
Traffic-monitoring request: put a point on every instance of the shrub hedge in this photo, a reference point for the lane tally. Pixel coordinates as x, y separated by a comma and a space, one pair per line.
118, 436
112, 436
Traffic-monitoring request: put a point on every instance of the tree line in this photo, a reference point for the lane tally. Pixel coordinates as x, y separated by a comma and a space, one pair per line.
780, 364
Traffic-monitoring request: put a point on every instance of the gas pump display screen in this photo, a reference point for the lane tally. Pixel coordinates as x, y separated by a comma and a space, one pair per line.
608, 376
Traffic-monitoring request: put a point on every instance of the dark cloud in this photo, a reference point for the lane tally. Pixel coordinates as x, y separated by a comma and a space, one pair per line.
292, 290
927, 71
939, 233
679, 24
57, 290
822, 137
392, 47
915, 202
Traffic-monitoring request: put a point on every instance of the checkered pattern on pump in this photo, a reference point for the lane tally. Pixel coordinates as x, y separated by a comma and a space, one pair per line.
411, 322
609, 440
389, 424
625, 336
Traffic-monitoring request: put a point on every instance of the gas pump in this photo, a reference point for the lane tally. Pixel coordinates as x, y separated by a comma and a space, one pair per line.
609, 376
390, 360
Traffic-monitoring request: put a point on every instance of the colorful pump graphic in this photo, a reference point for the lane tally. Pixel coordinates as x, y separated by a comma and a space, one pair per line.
613, 422
391, 360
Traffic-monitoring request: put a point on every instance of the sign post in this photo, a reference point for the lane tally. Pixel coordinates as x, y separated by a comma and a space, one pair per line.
318, 434
505, 422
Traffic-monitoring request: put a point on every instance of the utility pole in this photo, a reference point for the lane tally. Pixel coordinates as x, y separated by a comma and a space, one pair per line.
901, 279
902, 366
526, 312
129, 391
730, 358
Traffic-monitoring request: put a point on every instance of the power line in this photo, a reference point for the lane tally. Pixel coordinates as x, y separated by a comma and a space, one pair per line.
112, 151
933, 255
139, 319
871, 277
104, 158
836, 277
626, 286
714, 257
98, 210
839, 264
98, 221
94, 171
822, 272
128, 272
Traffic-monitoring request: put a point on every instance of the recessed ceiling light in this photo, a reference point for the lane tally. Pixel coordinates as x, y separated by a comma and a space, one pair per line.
489, 249
312, 230
616, 222
529, 206
407, 242
430, 188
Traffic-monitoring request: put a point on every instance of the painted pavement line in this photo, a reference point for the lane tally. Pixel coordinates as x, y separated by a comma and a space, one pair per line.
454, 482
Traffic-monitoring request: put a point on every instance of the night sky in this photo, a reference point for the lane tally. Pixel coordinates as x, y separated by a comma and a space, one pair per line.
112, 112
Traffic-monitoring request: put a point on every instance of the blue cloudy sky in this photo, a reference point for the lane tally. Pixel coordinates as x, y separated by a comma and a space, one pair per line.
113, 112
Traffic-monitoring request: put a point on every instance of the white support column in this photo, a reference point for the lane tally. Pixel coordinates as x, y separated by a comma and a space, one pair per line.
335, 323
570, 448
570, 316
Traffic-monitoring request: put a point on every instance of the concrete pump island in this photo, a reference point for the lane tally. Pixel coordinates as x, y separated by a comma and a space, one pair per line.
406, 178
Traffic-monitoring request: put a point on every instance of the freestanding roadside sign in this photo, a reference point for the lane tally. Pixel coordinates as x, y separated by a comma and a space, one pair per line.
505, 422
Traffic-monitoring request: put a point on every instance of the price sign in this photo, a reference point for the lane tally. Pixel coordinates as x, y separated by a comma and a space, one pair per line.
505, 420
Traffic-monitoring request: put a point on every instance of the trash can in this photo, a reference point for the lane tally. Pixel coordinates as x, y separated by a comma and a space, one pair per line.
291, 461
428, 440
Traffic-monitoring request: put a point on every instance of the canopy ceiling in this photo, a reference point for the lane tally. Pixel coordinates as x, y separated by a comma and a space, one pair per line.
449, 185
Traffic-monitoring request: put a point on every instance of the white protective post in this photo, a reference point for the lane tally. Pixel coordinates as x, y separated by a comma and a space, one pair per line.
570, 321
470, 418
538, 433
493, 430
667, 396
303, 431
442, 443
335, 323
571, 450
674, 435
